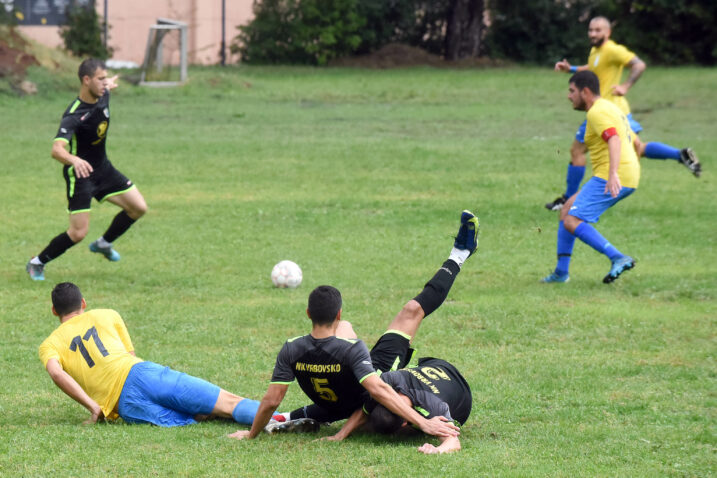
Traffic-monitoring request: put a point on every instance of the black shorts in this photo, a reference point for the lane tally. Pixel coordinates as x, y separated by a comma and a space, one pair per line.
102, 183
392, 352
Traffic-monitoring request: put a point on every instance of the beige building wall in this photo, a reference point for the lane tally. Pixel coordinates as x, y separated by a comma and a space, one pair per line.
130, 20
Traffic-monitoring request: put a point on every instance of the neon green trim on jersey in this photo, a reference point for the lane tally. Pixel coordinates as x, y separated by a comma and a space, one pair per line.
71, 175
395, 365
422, 411
281, 383
75, 105
291, 340
351, 341
398, 332
366, 376
62, 139
79, 211
118, 193
73, 145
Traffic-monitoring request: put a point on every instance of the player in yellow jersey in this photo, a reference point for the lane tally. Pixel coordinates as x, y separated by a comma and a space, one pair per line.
607, 60
616, 175
91, 358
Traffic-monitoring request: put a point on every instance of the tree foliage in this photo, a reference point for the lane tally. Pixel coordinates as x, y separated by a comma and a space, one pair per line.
82, 31
660, 31
538, 31
299, 31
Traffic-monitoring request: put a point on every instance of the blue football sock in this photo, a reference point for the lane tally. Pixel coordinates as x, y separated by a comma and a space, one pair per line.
574, 178
590, 236
566, 241
654, 150
245, 411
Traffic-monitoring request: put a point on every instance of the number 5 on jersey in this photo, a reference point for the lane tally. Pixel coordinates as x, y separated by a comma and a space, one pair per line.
324, 392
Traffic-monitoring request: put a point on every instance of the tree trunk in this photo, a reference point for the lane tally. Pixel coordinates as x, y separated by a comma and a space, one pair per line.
464, 28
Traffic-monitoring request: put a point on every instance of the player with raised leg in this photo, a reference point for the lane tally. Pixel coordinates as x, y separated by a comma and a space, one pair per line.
335, 369
80, 146
607, 60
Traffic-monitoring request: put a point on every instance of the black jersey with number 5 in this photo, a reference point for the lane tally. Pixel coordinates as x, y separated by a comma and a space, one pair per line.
329, 370
84, 126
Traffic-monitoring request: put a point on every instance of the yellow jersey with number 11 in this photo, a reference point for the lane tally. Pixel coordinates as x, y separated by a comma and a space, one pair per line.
94, 349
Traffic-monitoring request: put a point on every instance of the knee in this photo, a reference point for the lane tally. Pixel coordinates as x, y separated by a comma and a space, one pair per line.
137, 210
570, 223
77, 233
413, 310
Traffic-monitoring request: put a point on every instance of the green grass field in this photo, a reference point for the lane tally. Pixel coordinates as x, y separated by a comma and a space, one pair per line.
360, 177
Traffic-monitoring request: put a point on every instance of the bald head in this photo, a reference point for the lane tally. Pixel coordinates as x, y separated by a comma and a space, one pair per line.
599, 31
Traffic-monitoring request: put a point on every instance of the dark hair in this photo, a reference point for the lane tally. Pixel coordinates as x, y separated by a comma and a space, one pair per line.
89, 66
66, 298
384, 420
324, 304
586, 79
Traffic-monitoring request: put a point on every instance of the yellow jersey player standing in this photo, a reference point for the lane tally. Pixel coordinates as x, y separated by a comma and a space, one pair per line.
607, 60
616, 175
90, 357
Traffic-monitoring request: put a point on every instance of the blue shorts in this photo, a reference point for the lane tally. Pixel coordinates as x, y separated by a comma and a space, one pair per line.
592, 200
162, 396
634, 126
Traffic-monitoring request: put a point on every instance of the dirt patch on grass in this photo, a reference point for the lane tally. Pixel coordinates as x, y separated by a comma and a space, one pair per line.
14, 59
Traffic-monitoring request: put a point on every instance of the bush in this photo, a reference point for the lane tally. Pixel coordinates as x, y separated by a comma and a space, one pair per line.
299, 31
82, 32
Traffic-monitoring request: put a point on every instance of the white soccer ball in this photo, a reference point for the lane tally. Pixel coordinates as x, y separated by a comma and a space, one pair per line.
286, 274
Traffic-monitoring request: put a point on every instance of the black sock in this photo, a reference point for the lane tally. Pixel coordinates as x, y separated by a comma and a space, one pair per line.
119, 226
436, 290
56, 248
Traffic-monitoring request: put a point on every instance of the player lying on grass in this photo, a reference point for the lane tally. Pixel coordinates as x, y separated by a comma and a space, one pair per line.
433, 388
607, 60
91, 358
616, 174
335, 369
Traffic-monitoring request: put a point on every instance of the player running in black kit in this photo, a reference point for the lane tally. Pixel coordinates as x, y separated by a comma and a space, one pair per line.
80, 146
335, 369
433, 388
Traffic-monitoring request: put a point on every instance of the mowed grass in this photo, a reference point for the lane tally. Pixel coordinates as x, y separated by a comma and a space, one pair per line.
360, 177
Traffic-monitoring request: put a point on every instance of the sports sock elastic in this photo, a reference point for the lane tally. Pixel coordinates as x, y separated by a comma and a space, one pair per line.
436, 290
573, 179
36, 260
590, 236
56, 248
119, 226
654, 150
245, 411
459, 256
102, 242
566, 241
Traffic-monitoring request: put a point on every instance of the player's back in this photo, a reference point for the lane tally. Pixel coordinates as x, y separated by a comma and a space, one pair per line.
94, 349
328, 370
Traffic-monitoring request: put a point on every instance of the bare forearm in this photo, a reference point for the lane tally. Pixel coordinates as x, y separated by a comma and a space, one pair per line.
637, 67
356, 419
72, 389
262, 417
614, 151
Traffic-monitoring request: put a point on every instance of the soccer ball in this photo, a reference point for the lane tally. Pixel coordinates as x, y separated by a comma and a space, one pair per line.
286, 274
